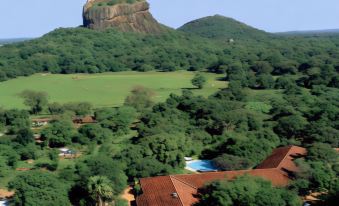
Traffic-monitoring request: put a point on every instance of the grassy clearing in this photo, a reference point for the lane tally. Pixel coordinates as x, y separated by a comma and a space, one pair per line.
103, 90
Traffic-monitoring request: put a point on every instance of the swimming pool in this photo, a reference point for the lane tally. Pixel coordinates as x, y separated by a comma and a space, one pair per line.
201, 166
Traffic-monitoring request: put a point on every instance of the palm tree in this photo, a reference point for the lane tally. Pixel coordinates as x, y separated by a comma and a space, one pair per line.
100, 188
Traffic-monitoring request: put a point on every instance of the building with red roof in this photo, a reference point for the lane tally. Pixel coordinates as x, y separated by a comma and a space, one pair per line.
84, 120
182, 190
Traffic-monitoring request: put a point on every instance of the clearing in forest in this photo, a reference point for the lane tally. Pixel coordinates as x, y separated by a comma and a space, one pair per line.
103, 90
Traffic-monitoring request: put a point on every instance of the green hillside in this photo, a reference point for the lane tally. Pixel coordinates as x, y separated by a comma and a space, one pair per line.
220, 27
82, 50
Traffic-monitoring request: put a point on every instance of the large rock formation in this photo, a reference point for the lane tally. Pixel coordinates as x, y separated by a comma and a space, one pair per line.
127, 17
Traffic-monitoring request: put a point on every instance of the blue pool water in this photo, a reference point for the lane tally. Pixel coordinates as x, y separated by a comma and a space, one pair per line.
202, 165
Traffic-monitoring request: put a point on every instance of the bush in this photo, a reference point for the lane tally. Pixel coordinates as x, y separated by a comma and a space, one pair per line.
199, 81
140, 98
322, 152
49, 165
229, 162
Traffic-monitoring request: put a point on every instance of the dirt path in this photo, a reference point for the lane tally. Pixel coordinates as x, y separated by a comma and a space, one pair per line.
128, 195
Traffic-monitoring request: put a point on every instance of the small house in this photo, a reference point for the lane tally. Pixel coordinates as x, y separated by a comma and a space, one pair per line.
65, 152
84, 120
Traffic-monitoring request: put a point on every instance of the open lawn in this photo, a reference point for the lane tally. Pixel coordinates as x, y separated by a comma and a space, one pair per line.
103, 90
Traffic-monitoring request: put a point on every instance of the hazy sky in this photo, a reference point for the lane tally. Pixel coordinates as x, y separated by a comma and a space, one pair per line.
33, 18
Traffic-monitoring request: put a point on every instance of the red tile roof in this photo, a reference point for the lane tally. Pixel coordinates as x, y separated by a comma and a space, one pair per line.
181, 190
282, 158
84, 120
158, 191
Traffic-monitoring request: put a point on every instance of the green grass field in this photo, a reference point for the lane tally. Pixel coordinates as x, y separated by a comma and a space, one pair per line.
102, 90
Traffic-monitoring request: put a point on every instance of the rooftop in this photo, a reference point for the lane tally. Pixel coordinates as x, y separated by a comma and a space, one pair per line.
158, 191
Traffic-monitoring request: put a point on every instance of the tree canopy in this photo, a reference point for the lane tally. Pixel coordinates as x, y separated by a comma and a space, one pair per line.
199, 81
247, 191
58, 134
140, 98
39, 188
37, 101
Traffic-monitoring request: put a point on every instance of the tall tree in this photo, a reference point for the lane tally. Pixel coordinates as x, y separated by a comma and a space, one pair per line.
25, 136
58, 133
37, 101
199, 81
100, 188
140, 98
118, 120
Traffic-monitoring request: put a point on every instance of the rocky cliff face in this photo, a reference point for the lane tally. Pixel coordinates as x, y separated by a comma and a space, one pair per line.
126, 17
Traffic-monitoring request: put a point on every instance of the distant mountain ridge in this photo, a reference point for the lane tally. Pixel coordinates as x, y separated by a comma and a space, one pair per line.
13, 40
311, 32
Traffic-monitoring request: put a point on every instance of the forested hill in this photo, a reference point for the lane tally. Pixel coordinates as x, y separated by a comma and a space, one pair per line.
220, 27
82, 50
